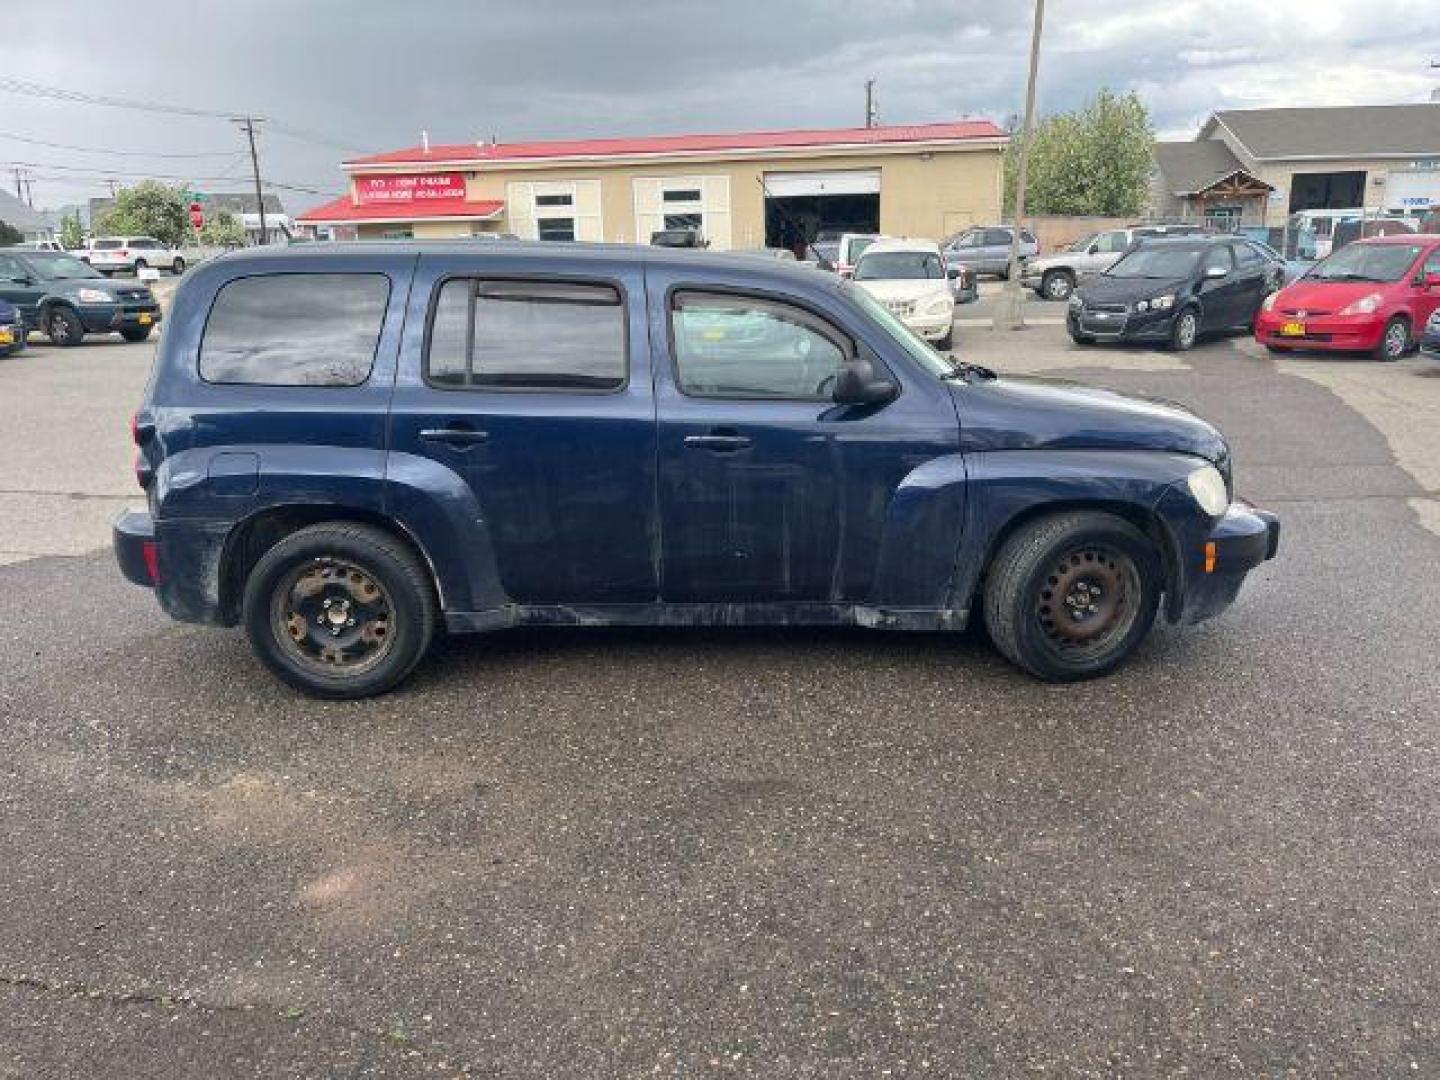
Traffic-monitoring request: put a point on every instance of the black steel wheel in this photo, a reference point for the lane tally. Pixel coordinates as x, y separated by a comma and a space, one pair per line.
340, 610
1070, 596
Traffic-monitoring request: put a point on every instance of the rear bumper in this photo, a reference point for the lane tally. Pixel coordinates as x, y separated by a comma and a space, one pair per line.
136, 550
1239, 542
1359, 333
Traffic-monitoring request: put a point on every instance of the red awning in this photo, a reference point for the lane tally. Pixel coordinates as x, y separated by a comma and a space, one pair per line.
345, 210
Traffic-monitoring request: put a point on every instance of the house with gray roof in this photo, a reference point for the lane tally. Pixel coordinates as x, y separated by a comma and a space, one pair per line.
33, 224
1258, 166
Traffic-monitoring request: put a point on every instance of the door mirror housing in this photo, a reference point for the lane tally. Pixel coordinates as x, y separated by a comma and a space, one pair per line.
858, 383
22, 279
1214, 273
1093, 249
1432, 280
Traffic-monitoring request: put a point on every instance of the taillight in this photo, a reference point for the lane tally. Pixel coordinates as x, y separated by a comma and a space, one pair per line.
150, 549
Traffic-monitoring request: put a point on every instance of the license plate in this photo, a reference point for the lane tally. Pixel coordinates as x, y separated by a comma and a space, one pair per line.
145, 318
7, 336
1292, 329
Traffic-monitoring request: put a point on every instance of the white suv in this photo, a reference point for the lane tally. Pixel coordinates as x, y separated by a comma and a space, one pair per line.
909, 277
109, 254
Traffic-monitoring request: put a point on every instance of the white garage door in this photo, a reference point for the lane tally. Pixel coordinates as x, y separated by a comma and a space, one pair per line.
1418, 190
784, 185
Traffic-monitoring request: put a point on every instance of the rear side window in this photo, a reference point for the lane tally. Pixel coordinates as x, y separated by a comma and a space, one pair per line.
295, 330
527, 335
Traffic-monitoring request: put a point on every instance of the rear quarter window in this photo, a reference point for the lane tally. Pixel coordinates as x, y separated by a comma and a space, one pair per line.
294, 330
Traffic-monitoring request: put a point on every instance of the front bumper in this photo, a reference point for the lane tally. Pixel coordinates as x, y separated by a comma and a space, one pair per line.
102, 318
930, 327
12, 336
1341, 333
1212, 575
1430, 343
1121, 326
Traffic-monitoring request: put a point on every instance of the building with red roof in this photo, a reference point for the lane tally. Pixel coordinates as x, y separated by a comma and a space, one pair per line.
739, 190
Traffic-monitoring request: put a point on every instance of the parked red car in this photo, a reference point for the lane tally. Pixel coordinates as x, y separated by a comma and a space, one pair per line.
1371, 296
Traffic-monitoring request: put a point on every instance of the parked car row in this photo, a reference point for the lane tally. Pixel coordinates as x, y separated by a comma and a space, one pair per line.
58, 295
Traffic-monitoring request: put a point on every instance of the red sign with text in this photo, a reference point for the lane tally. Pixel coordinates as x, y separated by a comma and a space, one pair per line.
409, 188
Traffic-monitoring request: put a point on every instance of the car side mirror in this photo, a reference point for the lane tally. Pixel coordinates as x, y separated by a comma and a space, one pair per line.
1216, 272
1432, 280
22, 279
1093, 249
857, 383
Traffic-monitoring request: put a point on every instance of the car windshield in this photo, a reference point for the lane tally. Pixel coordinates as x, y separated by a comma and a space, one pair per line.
899, 266
924, 354
1156, 262
1083, 243
57, 266
1367, 262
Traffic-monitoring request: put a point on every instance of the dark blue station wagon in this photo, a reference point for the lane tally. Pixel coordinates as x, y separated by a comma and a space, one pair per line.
348, 448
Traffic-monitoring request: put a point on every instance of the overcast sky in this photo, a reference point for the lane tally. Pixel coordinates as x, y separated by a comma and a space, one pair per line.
364, 75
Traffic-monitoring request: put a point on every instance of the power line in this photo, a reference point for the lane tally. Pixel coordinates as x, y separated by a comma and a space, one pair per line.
58, 93
114, 153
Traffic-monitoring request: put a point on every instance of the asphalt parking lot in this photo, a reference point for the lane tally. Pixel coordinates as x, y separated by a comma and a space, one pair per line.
786, 854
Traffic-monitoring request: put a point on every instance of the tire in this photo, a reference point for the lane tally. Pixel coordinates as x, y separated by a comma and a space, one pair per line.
1081, 339
1057, 285
292, 610
178, 266
944, 343
1278, 350
64, 326
1394, 341
135, 334
1186, 330
140, 264
1110, 576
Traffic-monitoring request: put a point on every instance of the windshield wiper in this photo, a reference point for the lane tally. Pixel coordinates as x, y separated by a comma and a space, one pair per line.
965, 371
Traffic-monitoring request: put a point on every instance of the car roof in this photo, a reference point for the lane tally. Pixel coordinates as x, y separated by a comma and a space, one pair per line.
902, 244
1189, 240
1402, 238
547, 256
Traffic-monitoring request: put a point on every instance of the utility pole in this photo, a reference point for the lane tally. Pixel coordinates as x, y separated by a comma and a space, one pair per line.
19, 184
30, 190
871, 112
248, 123
1011, 314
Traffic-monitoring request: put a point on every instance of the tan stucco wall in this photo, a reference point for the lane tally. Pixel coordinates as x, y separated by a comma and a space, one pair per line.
928, 194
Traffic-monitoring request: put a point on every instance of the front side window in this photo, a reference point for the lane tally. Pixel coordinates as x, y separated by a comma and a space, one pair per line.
1111, 242
1219, 258
295, 330
1159, 261
527, 335
741, 347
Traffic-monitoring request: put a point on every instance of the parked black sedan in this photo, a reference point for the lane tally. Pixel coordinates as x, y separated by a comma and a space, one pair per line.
1170, 291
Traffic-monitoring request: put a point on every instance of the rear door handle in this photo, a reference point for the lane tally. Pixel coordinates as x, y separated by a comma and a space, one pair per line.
455, 436
721, 444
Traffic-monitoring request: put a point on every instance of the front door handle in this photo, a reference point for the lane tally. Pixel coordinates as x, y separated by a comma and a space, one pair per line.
722, 442
456, 436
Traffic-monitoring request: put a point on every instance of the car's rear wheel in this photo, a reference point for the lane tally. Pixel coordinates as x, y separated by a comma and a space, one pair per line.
1394, 341
1186, 330
140, 264
64, 326
1070, 596
135, 334
1081, 339
1057, 285
340, 610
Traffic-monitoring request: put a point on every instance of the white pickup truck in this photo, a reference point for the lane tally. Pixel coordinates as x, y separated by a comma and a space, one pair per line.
110, 254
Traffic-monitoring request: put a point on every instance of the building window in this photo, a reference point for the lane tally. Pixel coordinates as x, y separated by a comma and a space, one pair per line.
527, 335
682, 195
556, 228
555, 200
683, 221
294, 330
398, 234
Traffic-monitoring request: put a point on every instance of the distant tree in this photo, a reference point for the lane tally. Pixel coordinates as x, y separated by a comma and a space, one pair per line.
72, 234
1096, 160
150, 208
9, 234
223, 230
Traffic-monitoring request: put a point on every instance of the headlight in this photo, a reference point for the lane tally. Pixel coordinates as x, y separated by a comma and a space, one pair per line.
1208, 487
1163, 303
93, 296
1142, 305
940, 305
1366, 305
1268, 304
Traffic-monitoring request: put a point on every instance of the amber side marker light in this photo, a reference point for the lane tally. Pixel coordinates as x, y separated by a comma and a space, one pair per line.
1212, 556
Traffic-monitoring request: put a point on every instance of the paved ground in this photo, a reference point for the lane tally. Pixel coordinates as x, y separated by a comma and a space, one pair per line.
745, 853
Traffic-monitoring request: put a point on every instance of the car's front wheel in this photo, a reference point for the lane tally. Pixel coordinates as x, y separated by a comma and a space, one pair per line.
64, 327
1394, 341
1057, 285
340, 610
1070, 596
1186, 330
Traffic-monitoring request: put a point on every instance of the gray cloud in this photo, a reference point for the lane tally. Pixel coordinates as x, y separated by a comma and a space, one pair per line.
373, 75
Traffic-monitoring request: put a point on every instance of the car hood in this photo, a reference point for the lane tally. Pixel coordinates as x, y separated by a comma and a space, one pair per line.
1104, 289
1311, 295
905, 289
1046, 262
1025, 413
105, 285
